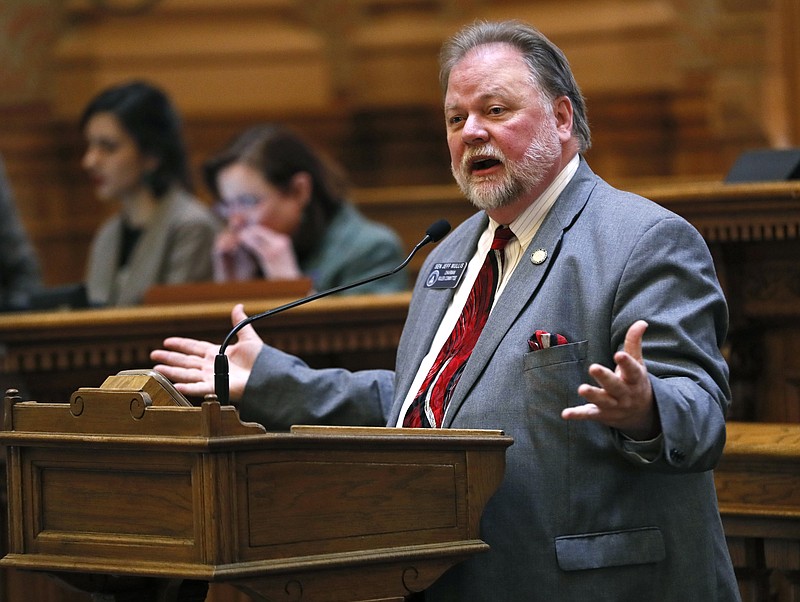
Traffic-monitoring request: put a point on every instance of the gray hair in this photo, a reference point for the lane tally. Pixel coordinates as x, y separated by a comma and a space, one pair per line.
548, 65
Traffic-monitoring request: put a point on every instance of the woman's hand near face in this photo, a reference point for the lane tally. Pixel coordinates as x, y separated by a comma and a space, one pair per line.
232, 262
273, 250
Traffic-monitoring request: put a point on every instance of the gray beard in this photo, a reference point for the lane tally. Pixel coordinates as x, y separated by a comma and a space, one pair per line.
495, 192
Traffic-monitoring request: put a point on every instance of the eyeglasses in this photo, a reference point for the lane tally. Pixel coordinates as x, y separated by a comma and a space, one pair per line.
243, 203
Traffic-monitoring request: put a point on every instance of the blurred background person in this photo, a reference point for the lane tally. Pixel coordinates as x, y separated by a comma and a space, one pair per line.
136, 158
287, 216
20, 273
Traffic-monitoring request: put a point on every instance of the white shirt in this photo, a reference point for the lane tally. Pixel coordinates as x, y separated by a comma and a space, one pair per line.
524, 229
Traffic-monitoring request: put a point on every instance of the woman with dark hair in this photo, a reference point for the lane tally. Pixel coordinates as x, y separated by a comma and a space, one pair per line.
286, 216
135, 156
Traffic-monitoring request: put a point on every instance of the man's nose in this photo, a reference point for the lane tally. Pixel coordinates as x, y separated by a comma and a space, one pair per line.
474, 130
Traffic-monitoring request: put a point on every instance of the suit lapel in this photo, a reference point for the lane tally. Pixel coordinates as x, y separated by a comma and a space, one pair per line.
524, 282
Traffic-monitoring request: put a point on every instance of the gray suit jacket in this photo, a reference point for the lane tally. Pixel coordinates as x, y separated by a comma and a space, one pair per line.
580, 515
175, 248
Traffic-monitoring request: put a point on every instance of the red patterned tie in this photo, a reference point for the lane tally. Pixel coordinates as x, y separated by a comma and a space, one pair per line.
430, 403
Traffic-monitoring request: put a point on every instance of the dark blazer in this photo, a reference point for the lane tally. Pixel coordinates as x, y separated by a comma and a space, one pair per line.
581, 513
20, 273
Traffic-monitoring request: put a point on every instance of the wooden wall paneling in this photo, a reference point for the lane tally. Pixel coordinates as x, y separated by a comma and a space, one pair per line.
632, 134
41, 174
788, 18
780, 394
697, 151
397, 147
762, 276
247, 57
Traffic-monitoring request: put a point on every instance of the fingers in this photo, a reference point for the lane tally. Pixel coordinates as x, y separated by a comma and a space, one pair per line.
623, 397
633, 339
189, 346
588, 411
178, 359
237, 314
609, 383
178, 374
247, 333
629, 376
184, 361
601, 401
193, 389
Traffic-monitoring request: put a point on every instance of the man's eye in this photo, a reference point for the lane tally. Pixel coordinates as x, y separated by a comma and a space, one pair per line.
496, 110
455, 120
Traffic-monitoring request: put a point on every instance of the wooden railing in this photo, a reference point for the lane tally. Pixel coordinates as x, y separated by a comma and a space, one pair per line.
50, 354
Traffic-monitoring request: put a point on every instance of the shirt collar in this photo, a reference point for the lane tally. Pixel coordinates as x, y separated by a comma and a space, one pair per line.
527, 223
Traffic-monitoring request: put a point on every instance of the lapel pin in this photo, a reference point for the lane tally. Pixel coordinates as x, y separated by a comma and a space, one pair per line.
538, 256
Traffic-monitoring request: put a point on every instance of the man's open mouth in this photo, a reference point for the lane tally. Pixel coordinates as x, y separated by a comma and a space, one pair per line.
481, 164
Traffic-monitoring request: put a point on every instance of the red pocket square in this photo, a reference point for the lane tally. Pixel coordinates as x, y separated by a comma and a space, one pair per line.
542, 339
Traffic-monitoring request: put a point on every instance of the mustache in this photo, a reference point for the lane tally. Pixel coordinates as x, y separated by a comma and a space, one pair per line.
484, 152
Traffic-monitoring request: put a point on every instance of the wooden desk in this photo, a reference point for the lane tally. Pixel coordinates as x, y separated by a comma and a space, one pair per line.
758, 486
50, 355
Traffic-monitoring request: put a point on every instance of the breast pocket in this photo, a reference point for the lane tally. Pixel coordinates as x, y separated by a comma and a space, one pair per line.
551, 378
552, 356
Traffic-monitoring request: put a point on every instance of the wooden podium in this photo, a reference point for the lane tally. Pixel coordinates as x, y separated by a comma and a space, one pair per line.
129, 492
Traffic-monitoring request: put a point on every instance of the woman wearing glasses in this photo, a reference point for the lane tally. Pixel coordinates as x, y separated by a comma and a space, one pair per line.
287, 216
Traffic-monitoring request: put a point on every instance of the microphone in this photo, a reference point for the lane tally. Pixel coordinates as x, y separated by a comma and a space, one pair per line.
434, 233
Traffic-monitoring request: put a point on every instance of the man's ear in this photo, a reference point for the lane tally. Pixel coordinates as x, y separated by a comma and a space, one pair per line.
562, 111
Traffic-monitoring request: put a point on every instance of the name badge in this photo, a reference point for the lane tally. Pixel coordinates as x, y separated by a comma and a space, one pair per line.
446, 275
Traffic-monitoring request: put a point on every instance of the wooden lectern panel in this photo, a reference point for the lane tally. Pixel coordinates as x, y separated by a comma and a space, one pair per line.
129, 480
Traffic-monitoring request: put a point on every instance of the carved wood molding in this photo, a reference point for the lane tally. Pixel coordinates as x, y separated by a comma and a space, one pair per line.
757, 212
768, 211
49, 351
